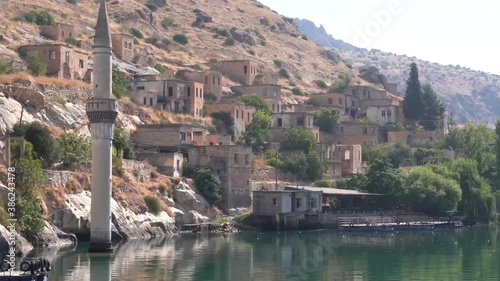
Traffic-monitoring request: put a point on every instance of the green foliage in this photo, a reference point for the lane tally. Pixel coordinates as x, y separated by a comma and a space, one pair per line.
15, 149
372, 152
117, 162
278, 63
136, 42
284, 73
181, 39
256, 133
120, 83
477, 142
229, 41
496, 180
313, 102
433, 109
207, 182
223, 32
383, 178
45, 147
39, 18
164, 71
323, 183
297, 91
29, 178
225, 117
400, 154
398, 127
299, 138
413, 101
5, 67
212, 129
152, 6
76, 151
210, 97
255, 101
341, 85
123, 144
153, 204
325, 119
36, 65
251, 52
321, 84
137, 33
167, 22
72, 1
304, 37
273, 158
71, 41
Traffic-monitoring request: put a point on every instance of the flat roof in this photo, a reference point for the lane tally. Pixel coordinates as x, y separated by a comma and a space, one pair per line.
336, 191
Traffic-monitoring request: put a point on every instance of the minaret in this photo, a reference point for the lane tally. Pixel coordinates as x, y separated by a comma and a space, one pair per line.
102, 112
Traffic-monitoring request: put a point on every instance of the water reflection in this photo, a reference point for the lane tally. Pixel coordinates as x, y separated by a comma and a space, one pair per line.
471, 254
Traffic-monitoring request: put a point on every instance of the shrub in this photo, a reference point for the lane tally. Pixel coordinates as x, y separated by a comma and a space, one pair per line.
213, 60
118, 169
5, 67
284, 73
210, 97
152, 6
72, 1
341, 85
297, 91
278, 63
251, 52
181, 39
44, 145
313, 102
136, 42
164, 71
209, 185
39, 18
123, 144
72, 41
167, 22
153, 204
223, 32
321, 84
137, 33
304, 37
36, 65
120, 83
76, 151
323, 183
229, 41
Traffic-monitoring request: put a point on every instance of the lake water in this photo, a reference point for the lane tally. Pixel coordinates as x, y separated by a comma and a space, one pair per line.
464, 254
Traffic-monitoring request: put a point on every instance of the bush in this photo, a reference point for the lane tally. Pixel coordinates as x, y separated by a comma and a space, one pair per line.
76, 151
72, 41
278, 63
118, 169
137, 33
229, 41
284, 73
5, 67
46, 148
209, 185
72, 1
167, 22
251, 52
123, 144
321, 84
36, 65
223, 32
164, 71
210, 97
181, 39
304, 37
323, 183
151, 6
313, 102
153, 204
39, 18
120, 83
341, 85
297, 91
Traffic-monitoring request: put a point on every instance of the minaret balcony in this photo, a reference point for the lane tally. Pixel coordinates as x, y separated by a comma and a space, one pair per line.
102, 110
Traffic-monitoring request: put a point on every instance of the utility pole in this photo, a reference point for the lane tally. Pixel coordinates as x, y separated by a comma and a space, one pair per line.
276, 170
23, 104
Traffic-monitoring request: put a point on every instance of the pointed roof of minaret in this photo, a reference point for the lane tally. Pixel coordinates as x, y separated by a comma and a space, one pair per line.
102, 34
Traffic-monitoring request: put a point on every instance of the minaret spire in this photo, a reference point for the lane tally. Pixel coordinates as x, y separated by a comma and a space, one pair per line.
102, 112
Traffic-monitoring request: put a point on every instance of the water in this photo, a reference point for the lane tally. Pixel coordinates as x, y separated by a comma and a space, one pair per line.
467, 254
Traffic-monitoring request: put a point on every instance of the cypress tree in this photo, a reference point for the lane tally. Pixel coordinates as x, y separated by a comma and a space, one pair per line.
412, 104
433, 113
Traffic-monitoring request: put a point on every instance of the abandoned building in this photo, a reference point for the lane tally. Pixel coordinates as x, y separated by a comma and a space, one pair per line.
269, 92
211, 80
58, 32
123, 46
356, 132
242, 71
169, 135
240, 113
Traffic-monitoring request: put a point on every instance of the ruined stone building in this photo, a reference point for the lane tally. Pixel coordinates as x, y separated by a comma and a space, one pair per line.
123, 46
242, 71
58, 32
270, 93
240, 113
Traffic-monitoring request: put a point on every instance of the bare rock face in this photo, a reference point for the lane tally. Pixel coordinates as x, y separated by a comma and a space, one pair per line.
331, 55
189, 199
51, 236
23, 247
194, 217
243, 37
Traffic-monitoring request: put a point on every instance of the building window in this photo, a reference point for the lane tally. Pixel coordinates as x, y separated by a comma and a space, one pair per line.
275, 202
280, 122
219, 81
236, 158
247, 159
126, 45
52, 55
383, 113
151, 101
278, 108
374, 131
189, 91
145, 101
183, 136
330, 100
340, 101
206, 80
341, 129
213, 80
389, 113
81, 64
245, 69
273, 106
347, 155
170, 91
178, 166
313, 203
237, 114
196, 90
365, 130
66, 58
354, 91
353, 103
248, 116
298, 203
140, 88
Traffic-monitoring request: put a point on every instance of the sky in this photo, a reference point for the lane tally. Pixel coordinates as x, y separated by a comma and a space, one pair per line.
443, 31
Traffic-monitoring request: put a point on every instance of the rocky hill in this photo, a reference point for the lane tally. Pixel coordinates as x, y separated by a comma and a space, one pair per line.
471, 95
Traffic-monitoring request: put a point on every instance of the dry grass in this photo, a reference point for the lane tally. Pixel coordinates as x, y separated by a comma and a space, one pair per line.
260, 163
56, 196
153, 116
42, 80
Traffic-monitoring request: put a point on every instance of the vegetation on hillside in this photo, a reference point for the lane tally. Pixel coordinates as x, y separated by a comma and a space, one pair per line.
207, 182
256, 133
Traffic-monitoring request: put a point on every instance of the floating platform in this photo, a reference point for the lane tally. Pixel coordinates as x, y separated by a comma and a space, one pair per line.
393, 227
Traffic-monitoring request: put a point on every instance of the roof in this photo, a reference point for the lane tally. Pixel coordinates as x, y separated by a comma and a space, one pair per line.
337, 191
102, 36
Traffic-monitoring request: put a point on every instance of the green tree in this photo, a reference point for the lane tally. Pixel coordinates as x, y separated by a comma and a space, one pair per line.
39, 18
29, 178
76, 151
210, 97
341, 85
255, 101
295, 163
413, 104
123, 144
209, 185
181, 39
476, 141
299, 138
383, 178
46, 148
400, 154
256, 133
433, 113
373, 151
325, 119
36, 65
120, 83
313, 102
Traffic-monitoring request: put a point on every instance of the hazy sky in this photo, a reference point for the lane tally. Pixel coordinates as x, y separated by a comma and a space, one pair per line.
444, 31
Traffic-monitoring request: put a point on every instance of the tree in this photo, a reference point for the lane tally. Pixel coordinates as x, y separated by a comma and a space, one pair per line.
39, 18
255, 101
181, 39
400, 154
476, 141
383, 178
299, 138
496, 185
120, 83
123, 144
325, 119
433, 113
36, 65
76, 151
209, 185
341, 85
46, 148
313, 102
412, 104
372, 152
256, 133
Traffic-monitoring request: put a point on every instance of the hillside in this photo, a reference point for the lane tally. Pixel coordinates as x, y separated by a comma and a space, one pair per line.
471, 95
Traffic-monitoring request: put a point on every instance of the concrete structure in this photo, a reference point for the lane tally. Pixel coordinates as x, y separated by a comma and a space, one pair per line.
58, 32
63, 61
413, 137
233, 164
167, 163
286, 208
102, 112
270, 93
356, 132
241, 114
385, 114
211, 80
287, 120
334, 100
169, 135
123, 46
351, 159
242, 71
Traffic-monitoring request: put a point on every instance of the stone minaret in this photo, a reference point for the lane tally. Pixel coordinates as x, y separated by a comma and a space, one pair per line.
102, 112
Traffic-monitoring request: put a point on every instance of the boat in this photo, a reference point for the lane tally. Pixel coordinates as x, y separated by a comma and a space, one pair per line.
33, 269
367, 228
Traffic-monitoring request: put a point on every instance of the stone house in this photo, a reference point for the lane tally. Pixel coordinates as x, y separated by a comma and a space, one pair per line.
233, 164
335, 100
301, 107
356, 132
58, 32
242, 71
211, 80
241, 114
174, 95
413, 137
331, 156
385, 114
285, 120
169, 135
269, 92
123, 46
63, 61
167, 163
351, 159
